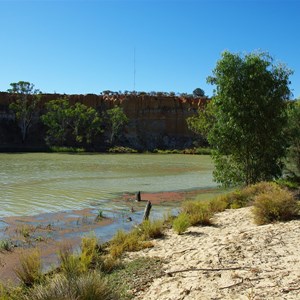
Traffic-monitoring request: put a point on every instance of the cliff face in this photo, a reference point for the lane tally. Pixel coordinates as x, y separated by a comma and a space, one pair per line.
154, 121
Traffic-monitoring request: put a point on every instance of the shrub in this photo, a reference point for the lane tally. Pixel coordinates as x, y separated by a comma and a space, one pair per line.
151, 229
274, 205
30, 269
181, 223
6, 245
90, 286
218, 204
199, 212
245, 196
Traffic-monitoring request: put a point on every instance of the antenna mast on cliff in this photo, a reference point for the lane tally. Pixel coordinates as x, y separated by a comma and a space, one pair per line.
134, 69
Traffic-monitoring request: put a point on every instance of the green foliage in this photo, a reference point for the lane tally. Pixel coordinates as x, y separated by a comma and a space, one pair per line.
79, 122
181, 223
25, 105
249, 110
275, 205
293, 132
6, 245
85, 122
120, 149
57, 121
203, 122
116, 121
100, 215
66, 149
72, 264
9, 292
30, 270
198, 92
288, 183
69, 262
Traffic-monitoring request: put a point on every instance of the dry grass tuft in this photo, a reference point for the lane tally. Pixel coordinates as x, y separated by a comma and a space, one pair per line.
30, 270
274, 205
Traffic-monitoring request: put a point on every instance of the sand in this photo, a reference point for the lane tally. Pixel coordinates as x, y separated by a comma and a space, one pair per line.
234, 259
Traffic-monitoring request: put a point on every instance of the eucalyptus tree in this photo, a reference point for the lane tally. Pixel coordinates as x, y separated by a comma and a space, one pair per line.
76, 122
249, 114
57, 120
116, 121
25, 104
293, 132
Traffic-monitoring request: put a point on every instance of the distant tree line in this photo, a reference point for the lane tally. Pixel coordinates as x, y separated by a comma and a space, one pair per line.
197, 93
66, 124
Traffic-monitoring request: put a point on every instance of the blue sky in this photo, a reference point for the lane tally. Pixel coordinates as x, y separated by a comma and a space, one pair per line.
88, 46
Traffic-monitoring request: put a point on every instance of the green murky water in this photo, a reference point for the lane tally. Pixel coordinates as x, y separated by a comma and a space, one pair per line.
33, 183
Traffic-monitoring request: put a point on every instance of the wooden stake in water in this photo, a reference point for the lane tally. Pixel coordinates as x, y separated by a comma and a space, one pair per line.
147, 211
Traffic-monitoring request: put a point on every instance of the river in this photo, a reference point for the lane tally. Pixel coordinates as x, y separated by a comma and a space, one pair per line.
34, 183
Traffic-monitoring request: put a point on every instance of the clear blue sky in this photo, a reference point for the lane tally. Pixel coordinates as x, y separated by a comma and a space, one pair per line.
88, 46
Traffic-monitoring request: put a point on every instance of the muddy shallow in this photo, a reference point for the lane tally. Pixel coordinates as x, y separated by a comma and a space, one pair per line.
47, 231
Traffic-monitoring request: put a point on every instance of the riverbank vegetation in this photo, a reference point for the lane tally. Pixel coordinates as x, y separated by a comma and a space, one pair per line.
249, 123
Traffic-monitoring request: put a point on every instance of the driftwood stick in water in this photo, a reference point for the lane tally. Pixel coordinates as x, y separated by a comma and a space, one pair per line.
138, 196
147, 211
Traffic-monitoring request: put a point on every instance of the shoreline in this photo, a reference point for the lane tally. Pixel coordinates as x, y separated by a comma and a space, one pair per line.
49, 230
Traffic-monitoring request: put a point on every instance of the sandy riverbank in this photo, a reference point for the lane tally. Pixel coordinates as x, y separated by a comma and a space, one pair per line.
234, 259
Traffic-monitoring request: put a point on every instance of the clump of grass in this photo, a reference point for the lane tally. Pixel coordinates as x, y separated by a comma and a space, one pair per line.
151, 229
100, 215
88, 286
69, 263
274, 205
199, 212
6, 245
25, 230
123, 241
9, 292
72, 264
30, 269
89, 254
181, 223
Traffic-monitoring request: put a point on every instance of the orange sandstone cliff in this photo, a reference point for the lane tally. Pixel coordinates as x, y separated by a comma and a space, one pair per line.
154, 121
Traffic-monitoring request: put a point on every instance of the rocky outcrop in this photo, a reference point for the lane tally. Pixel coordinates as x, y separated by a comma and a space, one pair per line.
154, 121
